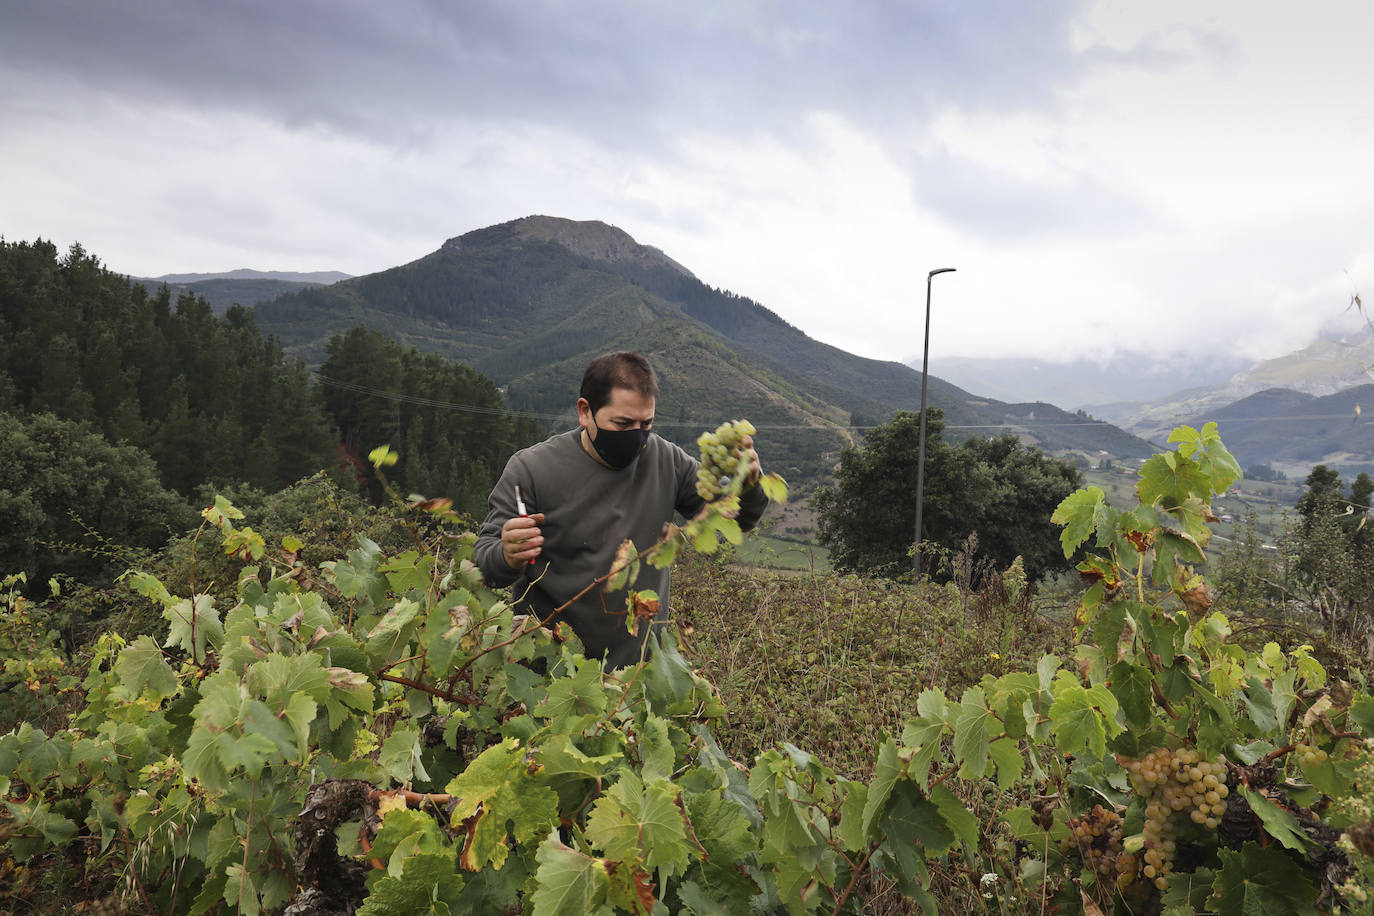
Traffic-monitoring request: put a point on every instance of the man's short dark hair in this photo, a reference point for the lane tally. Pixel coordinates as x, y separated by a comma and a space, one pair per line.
617, 370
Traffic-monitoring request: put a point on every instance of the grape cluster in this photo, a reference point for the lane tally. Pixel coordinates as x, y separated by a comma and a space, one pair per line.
1096, 837
1309, 755
1171, 782
722, 455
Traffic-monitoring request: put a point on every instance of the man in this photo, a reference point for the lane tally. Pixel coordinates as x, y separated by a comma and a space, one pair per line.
584, 492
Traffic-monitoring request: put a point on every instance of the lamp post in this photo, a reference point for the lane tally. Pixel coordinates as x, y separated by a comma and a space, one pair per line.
921, 448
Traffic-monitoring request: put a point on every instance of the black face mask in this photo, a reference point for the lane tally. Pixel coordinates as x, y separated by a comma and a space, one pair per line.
620, 447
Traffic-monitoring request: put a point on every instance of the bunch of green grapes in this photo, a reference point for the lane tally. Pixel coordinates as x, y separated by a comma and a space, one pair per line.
1308, 755
1096, 837
722, 458
1171, 782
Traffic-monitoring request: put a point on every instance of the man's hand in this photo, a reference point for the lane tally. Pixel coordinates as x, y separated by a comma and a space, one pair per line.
521, 539
751, 476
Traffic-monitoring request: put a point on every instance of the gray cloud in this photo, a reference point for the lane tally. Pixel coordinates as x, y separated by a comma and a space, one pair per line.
1001, 207
621, 70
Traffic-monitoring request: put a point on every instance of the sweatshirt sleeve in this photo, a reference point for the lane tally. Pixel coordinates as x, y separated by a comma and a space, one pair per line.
752, 502
487, 553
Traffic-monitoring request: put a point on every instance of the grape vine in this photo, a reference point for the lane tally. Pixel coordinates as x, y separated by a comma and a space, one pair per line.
384, 727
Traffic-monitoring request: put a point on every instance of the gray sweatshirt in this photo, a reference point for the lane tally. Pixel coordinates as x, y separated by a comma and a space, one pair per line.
588, 510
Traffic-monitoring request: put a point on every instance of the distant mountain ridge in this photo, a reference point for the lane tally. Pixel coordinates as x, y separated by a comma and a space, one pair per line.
1082, 383
239, 287
320, 277
1293, 430
1292, 411
529, 302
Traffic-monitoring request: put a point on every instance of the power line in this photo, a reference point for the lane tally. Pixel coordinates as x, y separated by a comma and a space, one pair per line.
683, 424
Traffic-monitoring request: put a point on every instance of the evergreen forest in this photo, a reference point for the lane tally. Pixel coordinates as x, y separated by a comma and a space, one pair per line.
123, 411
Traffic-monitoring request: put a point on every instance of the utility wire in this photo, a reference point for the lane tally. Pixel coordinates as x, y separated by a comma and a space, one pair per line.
681, 424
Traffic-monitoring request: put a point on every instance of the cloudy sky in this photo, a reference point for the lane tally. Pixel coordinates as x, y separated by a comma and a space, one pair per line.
1184, 178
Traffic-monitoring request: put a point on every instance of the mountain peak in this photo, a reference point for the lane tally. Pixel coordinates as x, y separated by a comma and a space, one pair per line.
589, 239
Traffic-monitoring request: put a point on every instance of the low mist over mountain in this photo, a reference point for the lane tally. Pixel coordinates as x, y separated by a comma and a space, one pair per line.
1292, 411
1129, 377
531, 301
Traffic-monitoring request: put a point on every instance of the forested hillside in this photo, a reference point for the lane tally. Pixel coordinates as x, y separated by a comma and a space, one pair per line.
1280, 426
224, 292
526, 300
209, 398
119, 409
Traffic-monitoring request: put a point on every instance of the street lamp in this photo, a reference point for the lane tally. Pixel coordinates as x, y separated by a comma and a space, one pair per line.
921, 448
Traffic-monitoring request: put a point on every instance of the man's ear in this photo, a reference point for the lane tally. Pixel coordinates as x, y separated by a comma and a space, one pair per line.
584, 412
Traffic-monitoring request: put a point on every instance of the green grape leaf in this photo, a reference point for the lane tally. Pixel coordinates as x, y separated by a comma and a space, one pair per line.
634, 820
625, 568
1007, 755
910, 817
259, 719
500, 784
239, 890
1207, 450
721, 827
1083, 513
850, 830
409, 572
656, 751
388, 632
194, 625
1260, 704
568, 883
960, 819
1131, 687
774, 487
247, 751
400, 754
971, 734
141, 667
1076, 723
406, 833
575, 702
1262, 881
668, 683
887, 770
425, 883
349, 689
699, 899
1362, 714
1191, 515
1278, 823
1188, 892
914, 829
665, 552
560, 757
31, 817
1170, 478
148, 586
382, 457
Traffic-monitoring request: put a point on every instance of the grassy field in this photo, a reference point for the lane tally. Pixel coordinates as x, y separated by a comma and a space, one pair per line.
775, 553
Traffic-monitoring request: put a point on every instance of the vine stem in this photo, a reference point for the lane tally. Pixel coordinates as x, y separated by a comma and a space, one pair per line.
252, 797
442, 694
1278, 752
412, 798
859, 871
558, 610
